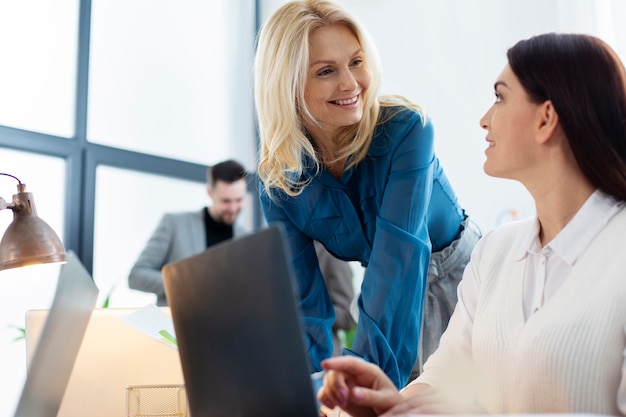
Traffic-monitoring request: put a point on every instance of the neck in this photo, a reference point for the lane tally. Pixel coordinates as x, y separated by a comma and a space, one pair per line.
557, 206
211, 213
557, 185
326, 148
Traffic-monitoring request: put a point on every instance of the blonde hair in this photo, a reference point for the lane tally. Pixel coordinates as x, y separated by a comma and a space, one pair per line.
280, 74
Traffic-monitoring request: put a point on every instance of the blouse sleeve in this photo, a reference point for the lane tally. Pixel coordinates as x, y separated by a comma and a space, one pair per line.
315, 305
393, 288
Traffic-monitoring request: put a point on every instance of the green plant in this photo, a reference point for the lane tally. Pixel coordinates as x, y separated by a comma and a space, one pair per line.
346, 337
21, 332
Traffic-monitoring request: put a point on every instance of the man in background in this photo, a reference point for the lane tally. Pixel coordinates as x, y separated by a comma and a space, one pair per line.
181, 235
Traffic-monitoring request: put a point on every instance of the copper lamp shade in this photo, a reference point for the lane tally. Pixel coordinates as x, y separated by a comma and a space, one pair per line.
28, 240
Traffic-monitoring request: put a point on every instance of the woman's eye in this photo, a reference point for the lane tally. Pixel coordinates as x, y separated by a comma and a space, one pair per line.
357, 62
325, 71
498, 97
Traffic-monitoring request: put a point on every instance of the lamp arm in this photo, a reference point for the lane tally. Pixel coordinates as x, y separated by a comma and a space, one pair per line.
20, 188
5, 205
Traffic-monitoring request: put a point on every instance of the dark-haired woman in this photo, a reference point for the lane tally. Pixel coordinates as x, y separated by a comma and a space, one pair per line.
540, 325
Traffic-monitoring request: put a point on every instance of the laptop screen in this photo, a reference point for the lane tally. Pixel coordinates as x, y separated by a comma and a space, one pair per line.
238, 330
51, 364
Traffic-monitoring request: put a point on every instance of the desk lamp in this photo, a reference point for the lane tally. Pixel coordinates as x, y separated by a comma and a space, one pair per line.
28, 240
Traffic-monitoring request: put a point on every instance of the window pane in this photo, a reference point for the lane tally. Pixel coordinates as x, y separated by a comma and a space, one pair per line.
129, 206
32, 287
173, 78
38, 41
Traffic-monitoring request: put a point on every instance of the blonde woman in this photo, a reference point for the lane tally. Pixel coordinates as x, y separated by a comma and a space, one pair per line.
357, 172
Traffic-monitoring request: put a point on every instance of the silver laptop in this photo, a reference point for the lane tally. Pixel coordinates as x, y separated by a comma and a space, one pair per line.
238, 330
52, 362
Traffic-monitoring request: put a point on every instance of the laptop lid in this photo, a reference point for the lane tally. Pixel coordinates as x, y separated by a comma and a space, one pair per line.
51, 364
238, 330
112, 356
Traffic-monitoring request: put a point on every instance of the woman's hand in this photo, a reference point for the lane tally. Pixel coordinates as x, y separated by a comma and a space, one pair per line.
356, 386
423, 399
362, 389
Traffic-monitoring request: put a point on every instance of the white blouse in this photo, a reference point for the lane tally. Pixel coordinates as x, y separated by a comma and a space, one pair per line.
547, 268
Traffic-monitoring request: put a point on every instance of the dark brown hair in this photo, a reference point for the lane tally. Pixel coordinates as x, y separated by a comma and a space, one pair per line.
586, 82
227, 171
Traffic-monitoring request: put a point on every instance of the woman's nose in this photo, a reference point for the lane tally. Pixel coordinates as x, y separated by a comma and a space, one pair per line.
348, 81
484, 121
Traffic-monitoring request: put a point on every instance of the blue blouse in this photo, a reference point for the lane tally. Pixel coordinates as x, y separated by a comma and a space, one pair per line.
388, 212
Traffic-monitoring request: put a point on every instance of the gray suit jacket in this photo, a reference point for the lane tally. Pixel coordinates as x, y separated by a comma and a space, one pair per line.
178, 236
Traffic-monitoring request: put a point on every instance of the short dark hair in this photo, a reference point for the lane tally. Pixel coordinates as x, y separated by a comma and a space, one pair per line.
586, 82
228, 171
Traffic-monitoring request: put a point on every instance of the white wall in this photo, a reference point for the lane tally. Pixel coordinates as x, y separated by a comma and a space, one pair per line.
446, 54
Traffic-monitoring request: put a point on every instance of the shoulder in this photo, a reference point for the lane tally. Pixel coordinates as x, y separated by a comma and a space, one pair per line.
403, 116
183, 216
615, 227
513, 229
620, 215
509, 238
401, 124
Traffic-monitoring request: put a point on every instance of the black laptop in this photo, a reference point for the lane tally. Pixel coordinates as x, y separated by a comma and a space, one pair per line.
238, 330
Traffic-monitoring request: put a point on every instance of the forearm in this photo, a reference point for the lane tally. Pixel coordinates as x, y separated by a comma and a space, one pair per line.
146, 279
420, 398
391, 301
416, 390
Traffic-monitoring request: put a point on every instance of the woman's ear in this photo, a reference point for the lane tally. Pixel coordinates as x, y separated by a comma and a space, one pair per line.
547, 122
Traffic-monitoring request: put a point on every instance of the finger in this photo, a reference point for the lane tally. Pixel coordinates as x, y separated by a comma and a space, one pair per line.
334, 390
324, 398
349, 364
375, 398
329, 411
357, 370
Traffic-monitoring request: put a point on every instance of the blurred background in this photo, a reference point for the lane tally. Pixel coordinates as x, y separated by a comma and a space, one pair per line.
111, 110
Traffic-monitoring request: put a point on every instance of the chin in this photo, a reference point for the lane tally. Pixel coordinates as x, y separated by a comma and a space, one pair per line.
497, 173
490, 171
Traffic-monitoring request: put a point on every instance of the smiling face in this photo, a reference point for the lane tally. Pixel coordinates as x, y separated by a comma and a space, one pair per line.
337, 78
228, 199
510, 123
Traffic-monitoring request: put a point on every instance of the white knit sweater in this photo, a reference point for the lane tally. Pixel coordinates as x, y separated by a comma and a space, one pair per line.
568, 356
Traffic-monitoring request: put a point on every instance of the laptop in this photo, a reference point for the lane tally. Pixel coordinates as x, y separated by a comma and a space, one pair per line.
52, 362
112, 356
238, 330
